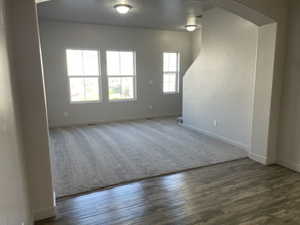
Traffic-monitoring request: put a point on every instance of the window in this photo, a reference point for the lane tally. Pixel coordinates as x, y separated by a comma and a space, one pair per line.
170, 72
83, 73
121, 75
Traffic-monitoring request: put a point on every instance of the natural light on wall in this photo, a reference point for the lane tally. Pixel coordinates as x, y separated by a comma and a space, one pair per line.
121, 75
83, 73
171, 72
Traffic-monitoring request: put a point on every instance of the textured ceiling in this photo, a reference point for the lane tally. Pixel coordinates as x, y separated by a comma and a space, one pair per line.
161, 14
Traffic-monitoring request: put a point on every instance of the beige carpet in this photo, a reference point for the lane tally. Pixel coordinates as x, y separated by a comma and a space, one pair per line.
91, 157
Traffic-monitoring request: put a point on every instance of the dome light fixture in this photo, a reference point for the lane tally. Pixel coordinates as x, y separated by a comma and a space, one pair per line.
191, 27
123, 8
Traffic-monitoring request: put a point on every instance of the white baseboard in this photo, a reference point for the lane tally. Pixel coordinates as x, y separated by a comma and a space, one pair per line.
222, 138
41, 214
124, 119
258, 158
291, 165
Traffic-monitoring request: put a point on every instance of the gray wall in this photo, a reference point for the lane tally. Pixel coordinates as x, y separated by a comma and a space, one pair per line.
31, 90
271, 17
289, 147
149, 46
220, 83
14, 203
197, 42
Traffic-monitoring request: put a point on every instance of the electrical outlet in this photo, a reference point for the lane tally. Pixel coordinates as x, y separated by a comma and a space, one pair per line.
66, 114
150, 107
215, 123
150, 82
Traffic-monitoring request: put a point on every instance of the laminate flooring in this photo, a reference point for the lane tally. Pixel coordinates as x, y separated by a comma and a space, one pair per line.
240, 192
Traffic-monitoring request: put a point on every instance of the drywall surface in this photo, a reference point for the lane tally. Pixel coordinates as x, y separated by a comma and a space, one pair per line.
197, 43
29, 69
149, 46
218, 88
289, 141
273, 13
263, 92
29, 77
277, 10
14, 202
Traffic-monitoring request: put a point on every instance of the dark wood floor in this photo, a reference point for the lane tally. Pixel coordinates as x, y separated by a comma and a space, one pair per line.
239, 192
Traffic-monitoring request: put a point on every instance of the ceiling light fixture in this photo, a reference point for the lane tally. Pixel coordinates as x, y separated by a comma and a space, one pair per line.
191, 28
123, 8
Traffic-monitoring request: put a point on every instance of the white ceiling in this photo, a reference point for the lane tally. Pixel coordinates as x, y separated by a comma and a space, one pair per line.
161, 14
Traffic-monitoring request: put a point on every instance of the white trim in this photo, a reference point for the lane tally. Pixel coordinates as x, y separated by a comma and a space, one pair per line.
171, 93
98, 76
85, 101
291, 165
177, 72
222, 138
124, 119
258, 158
41, 214
253, 90
134, 76
134, 98
125, 100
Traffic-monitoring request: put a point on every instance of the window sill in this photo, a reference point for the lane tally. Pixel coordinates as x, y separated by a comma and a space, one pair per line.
122, 100
171, 93
84, 102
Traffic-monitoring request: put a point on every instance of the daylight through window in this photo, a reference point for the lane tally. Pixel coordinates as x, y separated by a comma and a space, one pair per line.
170, 72
83, 73
121, 75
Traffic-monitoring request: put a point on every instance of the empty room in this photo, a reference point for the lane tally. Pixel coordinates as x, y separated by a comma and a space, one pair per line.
149, 112
115, 93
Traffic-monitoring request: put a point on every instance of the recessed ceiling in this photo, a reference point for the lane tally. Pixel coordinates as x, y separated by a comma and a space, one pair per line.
160, 14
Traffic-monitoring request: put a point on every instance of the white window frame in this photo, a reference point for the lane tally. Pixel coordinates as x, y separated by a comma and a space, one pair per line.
122, 76
99, 77
177, 91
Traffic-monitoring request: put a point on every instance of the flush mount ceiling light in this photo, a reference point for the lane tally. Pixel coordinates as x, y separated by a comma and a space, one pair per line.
191, 28
122, 8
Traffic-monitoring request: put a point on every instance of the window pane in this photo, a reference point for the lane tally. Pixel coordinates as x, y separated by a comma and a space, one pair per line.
127, 87
120, 63
121, 88
74, 62
127, 63
166, 62
77, 89
114, 86
90, 63
84, 89
91, 89
169, 82
113, 63
170, 62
